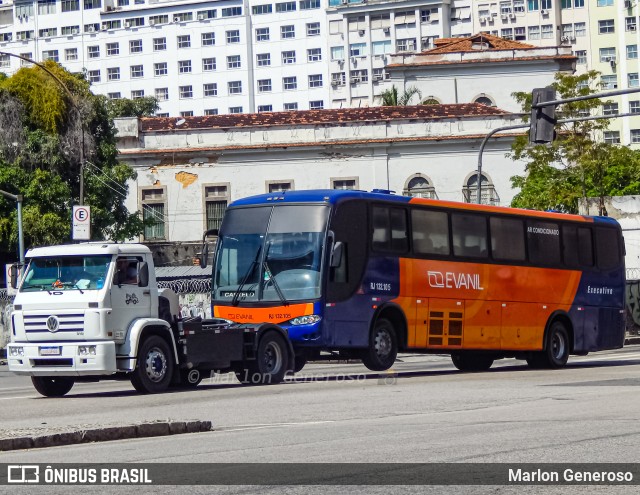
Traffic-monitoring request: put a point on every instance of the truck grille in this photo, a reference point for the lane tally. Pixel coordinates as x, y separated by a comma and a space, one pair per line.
46, 362
66, 323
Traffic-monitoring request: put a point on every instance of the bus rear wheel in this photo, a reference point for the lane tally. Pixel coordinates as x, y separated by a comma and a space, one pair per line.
468, 361
52, 386
383, 347
556, 350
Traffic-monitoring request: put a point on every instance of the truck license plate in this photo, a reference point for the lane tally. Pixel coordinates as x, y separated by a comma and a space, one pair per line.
50, 351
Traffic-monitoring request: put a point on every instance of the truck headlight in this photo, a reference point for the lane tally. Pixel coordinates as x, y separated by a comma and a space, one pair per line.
16, 351
305, 320
86, 350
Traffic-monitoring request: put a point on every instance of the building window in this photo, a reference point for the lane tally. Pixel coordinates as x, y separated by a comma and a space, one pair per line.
233, 62
235, 109
137, 71
262, 9
610, 109
289, 83
309, 4
485, 100
635, 136
265, 108
359, 76
606, 26
607, 54
580, 28
210, 89
582, 56
186, 113
116, 24
488, 194
162, 94
338, 78
136, 94
70, 5
419, 186
358, 50
262, 34
114, 96
135, 46
288, 107
158, 19
216, 198
314, 55
344, 183
264, 85
233, 36
287, 32
289, 57
632, 79
235, 87
313, 29
506, 33
206, 14
71, 54
604, 3
518, 6
113, 74
48, 33
184, 66
209, 64
315, 81
46, 7
136, 22
263, 59
159, 44
609, 81
316, 105
337, 53
380, 74
279, 186
186, 92
94, 76
534, 32
232, 12
578, 4
153, 213
547, 31
160, 69
211, 111
545, 4
533, 5
634, 106
208, 39
406, 45
612, 137
286, 7
113, 49
184, 41
632, 51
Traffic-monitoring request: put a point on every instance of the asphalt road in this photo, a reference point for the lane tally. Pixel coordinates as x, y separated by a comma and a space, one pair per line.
427, 412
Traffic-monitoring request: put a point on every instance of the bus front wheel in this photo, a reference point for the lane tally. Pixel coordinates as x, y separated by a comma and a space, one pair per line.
556, 351
383, 347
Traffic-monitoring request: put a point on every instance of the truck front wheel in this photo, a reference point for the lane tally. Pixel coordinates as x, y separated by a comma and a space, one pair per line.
52, 386
154, 368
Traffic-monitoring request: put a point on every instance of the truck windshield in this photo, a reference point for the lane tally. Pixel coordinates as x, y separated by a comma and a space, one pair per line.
270, 254
66, 273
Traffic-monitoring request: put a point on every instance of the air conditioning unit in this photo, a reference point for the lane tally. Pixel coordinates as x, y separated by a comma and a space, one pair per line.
377, 77
512, 16
151, 22
504, 17
572, 38
544, 12
341, 63
483, 20
176, 18
386, 30
335, 83
74, 31
354, 80
201, 17
127, 24
104, 26
631, 27
612, 63
361, 32
91, 29
564, 39
610, 59
109, 8
344, 2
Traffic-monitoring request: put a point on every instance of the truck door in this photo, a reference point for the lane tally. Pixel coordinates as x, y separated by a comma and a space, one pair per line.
128, 299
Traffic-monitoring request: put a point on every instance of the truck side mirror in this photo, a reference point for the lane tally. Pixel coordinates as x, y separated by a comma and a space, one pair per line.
13, 272
336, 254
143, 275
205, 246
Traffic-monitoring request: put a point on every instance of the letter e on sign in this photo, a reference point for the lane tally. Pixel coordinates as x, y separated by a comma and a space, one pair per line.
81, 230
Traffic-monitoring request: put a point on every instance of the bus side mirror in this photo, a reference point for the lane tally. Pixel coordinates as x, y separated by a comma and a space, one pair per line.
143, 275
13, 273
336, 254
205, 246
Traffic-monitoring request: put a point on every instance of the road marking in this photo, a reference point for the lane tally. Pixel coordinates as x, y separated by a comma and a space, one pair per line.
23, 397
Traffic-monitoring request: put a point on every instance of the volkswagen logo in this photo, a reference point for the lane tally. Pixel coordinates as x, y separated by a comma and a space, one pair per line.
53, 324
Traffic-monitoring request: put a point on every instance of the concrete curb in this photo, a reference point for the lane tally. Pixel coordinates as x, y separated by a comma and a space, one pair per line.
105, 434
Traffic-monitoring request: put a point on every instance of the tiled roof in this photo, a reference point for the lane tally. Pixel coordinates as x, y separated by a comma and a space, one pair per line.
484, 60
455, 45
311, 117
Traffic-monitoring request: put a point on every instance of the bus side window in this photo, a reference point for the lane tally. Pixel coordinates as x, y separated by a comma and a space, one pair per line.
389, 230
543, 239
380, 220
469, 235
507, 238
430, 232
607, 248
577, 246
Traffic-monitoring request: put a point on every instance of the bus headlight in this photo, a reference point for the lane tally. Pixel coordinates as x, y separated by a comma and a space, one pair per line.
305, 320
86, 350
16, 351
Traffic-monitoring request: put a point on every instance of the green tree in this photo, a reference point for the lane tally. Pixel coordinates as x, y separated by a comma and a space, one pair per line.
43, 130
391, 98
140, 107
576, 165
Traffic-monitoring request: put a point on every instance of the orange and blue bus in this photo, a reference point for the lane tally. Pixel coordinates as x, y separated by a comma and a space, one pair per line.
369, 274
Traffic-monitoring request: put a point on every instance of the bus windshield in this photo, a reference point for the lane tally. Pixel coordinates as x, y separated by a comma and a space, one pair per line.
270, 254
66, 273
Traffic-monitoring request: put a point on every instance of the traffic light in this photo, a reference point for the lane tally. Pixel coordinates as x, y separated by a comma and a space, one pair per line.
543, 119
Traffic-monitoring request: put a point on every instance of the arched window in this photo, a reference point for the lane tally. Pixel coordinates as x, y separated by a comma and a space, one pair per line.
419, 186
431, 100
488, 194
485, 100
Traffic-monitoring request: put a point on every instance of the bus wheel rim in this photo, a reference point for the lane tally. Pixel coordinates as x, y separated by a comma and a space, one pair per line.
558, 346
272, 358
382, 343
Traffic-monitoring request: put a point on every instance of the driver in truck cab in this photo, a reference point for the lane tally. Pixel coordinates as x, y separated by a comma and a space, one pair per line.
126, 272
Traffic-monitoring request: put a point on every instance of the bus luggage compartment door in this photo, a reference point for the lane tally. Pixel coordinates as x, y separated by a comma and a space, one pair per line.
445, 323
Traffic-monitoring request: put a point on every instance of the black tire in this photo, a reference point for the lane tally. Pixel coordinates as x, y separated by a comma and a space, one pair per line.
469, 361
190, 378
383, 347
154, 368
52, 386
299, 363
556, 350
271, 363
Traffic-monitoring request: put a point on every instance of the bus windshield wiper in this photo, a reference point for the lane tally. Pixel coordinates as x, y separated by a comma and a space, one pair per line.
236, 295
273, 280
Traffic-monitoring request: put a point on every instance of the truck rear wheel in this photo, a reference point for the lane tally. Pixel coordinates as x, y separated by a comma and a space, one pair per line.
154, 368
270, 364
52, 386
